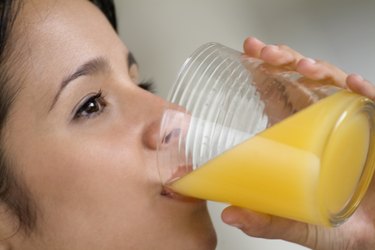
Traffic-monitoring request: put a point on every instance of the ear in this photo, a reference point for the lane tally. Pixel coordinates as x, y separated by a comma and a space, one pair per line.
8, 227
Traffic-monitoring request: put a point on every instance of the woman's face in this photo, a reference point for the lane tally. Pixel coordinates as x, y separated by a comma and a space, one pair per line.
82, 136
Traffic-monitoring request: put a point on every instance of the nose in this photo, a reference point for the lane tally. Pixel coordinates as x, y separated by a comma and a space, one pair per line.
173, 151
150, 114
151, 110
150, 136
164, 126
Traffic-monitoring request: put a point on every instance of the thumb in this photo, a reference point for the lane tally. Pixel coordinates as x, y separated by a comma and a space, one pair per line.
270, 227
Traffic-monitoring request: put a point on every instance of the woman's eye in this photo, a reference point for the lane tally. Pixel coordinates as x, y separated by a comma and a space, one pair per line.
91, 107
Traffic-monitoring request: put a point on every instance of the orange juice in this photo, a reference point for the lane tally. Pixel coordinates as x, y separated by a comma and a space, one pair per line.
309, 167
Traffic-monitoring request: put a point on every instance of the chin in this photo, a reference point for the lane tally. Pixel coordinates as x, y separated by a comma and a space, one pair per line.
193, 231
189, 222
208, 241
203, 232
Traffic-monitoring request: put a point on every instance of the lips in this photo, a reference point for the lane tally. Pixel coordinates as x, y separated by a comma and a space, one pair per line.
179, 172
168, 193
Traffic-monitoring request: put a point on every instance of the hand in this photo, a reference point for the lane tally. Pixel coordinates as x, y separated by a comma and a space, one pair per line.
359, 231
281, 55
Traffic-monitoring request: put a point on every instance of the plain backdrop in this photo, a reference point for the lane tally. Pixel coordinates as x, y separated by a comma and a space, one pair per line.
162, 33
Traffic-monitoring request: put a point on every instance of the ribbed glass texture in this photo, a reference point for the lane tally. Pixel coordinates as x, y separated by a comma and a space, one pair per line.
217, 91
228, 98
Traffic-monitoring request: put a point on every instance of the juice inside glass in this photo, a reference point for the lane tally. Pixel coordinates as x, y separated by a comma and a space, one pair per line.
311, 164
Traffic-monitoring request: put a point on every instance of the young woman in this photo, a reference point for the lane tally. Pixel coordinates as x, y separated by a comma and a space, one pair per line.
78, 141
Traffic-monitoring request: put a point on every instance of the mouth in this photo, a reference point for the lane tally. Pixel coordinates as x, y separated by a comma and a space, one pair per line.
168, 193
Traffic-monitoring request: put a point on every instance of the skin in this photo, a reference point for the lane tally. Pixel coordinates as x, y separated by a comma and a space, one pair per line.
91, 173
93, 179
358, 232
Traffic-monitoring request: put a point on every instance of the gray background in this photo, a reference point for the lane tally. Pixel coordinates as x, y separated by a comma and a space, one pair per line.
163, 33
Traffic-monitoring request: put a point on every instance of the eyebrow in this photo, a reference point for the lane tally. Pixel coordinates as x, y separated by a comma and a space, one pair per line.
91, 67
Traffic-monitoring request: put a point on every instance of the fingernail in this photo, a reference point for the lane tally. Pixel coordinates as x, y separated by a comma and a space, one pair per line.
310, 60
256, 40
235, 224
230, 220
358, 77
272, 47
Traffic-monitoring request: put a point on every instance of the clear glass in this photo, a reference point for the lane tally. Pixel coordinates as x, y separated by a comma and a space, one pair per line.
223, 99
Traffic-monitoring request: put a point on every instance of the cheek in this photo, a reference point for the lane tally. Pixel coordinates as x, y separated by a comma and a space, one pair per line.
91, 166
89, 177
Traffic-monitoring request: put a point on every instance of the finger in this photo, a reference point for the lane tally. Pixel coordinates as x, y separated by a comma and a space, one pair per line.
280, 55
267, 226
357, 84
252, 47
321, 71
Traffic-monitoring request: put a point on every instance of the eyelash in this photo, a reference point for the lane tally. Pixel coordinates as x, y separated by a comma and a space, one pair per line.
99, 102
147, 85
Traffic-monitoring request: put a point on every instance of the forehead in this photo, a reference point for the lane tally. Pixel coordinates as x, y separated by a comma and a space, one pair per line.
55, 36
45, 27
49, 29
